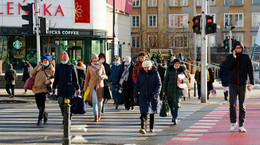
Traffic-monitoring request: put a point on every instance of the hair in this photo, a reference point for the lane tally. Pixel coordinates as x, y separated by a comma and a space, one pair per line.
142, 54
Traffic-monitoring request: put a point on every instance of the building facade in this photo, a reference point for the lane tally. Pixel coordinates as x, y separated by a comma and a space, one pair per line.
167, 25
76, 26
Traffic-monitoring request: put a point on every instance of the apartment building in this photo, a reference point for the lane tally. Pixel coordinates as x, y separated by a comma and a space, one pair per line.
167, 25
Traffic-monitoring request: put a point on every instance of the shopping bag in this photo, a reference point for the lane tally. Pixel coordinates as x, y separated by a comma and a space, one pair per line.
78, 105
29, 83
185, 92
86, 94
164, 112
213, 91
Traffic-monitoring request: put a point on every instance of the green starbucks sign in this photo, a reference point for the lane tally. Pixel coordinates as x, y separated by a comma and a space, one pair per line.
17, 44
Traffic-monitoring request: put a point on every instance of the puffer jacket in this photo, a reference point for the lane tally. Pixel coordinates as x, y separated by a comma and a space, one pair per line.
149, 85
172, 91
40, 78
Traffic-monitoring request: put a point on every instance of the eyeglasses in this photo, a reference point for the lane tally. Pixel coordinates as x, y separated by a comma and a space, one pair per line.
238, 47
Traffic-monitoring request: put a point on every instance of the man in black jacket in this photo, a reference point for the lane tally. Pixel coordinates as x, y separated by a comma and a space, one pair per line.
67, 80
239, 66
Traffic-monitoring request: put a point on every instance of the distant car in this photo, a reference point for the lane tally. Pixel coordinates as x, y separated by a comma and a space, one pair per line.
255, 65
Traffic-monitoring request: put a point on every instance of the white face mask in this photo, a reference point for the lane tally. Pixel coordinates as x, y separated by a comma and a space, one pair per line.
176, 67
102, 60
64, 62
46, 64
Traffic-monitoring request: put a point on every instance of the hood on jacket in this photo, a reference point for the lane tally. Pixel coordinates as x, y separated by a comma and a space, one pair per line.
102, 55
181, 68
236, 43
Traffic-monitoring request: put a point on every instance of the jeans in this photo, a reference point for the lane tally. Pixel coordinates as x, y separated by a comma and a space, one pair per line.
234, 91
174, 112
97, 106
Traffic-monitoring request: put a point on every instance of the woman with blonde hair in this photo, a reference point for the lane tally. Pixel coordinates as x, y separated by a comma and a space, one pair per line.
94, 81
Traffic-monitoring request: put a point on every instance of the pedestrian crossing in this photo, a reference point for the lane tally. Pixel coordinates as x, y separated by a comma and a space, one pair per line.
18, 125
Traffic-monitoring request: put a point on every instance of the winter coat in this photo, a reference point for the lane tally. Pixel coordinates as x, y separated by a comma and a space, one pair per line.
130, 82
239, 68
136, 70
81, 75
211, 79
115, 71
26, 72
161, 71
107, 66
66, 79
92, 81
40, 78
149, 85
189, 78
224, 74
10, 75
172, 91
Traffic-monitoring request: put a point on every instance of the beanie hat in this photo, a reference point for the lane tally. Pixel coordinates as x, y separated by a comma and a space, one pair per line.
47, 56
175, 60
64, 56
94, 56
80, 63
147, 64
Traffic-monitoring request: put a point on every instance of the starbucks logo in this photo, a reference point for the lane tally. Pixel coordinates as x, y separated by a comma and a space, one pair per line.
17, 44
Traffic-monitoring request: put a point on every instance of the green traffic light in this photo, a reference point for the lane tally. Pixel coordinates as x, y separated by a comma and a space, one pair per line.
226, 47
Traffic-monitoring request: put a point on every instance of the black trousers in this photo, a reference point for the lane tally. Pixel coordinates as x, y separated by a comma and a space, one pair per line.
234, 91
40, 102
129, 99
61, 104
7, 87
144, 120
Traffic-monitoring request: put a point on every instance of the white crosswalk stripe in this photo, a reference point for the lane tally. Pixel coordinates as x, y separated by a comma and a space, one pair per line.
18, 125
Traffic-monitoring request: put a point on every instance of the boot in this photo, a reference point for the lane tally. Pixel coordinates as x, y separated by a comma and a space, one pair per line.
39, 121
184, 98
96, 118
45, 117
99, 116
226, 95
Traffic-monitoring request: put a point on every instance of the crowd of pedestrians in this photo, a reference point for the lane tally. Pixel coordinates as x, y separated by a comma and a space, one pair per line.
141, 83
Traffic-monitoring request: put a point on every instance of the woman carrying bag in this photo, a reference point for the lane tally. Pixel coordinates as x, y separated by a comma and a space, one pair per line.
171, 89
148, 83
43, 73
94, 81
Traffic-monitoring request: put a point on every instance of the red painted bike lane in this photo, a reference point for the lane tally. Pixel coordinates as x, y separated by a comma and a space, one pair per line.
214, 128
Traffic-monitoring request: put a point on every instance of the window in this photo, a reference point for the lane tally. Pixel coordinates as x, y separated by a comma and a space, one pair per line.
136, 3
178, 41
237, 2
178, 21
239, 20
152, 3
135, 21
255, 19
152, 20
256, 2
178, 2
211, 2
211, 40
136, 41
152, 41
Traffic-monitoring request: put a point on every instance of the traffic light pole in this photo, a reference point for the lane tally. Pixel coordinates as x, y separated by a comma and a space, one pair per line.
203, 54
37, 32
230, 40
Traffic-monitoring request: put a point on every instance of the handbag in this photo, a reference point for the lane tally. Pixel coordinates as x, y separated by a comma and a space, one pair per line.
107, 93
78, 105
48, 86
29, 83
165, 110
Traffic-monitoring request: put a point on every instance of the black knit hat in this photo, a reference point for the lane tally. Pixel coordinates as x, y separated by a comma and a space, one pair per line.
175, 60
235, 44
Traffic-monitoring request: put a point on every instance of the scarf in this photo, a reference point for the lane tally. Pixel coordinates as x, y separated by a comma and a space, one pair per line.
95, 66
125, 75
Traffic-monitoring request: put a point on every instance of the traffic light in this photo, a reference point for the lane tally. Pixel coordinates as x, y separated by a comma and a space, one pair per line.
43, 25
226, 44
196, 24
28, 17
211, 27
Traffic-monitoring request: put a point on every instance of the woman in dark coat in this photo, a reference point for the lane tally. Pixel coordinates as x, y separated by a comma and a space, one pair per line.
10, 77
26, 73
171, 90
148, 83
224, 75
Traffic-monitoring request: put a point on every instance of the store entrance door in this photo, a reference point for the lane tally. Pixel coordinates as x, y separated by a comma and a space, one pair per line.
75, 53
54, 51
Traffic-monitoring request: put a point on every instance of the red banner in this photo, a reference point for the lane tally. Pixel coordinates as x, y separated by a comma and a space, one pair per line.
124, 5
82, 11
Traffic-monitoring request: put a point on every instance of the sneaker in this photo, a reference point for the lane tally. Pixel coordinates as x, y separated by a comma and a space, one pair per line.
242, 129
152, 130
233, 126
142, 131
10, 96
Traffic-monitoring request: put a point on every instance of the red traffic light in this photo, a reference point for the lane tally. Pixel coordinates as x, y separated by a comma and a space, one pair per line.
209, 21
196, 21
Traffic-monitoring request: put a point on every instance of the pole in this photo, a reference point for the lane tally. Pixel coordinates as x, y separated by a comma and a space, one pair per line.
203, 54
230, 41
195, 45
114, 21
66, 123
37, 32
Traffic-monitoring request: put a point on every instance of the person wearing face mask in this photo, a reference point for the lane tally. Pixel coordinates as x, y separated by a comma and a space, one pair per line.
142, 56
126, 82
94, 81
115, 69
66, 78
43, 73
171, 89
240, 69
148, 83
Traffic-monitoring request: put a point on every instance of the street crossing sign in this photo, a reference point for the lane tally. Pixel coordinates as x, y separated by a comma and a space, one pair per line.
116, 49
